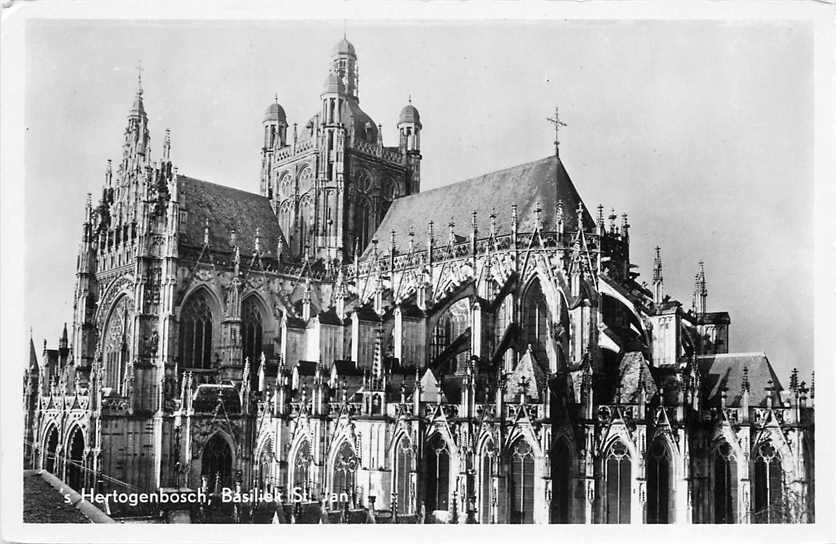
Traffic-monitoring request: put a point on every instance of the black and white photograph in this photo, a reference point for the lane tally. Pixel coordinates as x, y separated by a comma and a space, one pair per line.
417, 268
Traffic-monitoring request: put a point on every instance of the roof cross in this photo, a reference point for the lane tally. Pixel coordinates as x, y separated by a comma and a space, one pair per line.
557, 124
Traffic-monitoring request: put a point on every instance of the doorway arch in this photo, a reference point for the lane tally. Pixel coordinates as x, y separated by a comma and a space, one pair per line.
216, 462
75, 459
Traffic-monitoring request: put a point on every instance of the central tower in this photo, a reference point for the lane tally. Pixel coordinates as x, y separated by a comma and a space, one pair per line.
332, 180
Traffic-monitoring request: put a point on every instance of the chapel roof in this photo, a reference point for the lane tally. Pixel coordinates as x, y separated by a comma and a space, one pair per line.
542, 181
726, 371
226, 209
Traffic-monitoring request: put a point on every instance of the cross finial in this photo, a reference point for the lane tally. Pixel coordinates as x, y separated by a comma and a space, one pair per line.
557, 124
276, 98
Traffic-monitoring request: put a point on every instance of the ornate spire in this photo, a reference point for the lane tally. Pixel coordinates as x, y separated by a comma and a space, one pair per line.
700, 290
658, 280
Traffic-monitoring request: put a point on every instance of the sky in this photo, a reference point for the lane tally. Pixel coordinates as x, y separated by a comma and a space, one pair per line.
701, 131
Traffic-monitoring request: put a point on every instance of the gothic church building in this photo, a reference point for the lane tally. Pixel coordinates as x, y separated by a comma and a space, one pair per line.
478, 353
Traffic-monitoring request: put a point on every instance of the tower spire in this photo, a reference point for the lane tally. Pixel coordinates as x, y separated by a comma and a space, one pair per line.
658, 280
700, 290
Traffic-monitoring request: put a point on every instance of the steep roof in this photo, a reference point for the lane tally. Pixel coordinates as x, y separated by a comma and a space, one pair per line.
542, 181
633, 371
726, 371
226, 209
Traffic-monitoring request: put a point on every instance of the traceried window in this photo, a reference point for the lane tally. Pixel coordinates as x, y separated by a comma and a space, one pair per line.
117, 342
301, 466
617, 474
725, 484
344, 476
535, 316
658, 483
196, 332
404, 465
487, 473
450, 326
522, 482
504, 317
769, 484
306, 224
437, 474
251, 333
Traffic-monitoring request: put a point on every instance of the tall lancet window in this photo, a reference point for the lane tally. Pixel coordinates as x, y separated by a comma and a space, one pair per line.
769, 485
724, 474
301, 467
618, 477
437, 475
535, 324
344, 475
251, 333
522, 482
487, 473
117, 341
659, 483
404, 465
196, 332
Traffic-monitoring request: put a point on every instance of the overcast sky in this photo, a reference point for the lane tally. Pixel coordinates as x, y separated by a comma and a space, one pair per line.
701, 131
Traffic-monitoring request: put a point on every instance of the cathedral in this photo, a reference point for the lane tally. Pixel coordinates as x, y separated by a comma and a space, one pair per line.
483, 352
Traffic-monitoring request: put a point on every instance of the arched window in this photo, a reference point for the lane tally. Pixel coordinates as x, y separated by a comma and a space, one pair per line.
451, 324
75, 461
535, 320
50, 457
344, 477
504, 317
251, 334
486, 475
404, 465
437, 475
117, 342
659, 483
196, 332
306, 225
286, 218
301, 466
522, 482
725, 484
561, 474
769, 484
364, 229
618, 477
264, 476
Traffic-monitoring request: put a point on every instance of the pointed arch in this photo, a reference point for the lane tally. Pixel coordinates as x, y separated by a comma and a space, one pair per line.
660, 477
49, 455
488, 469
74, 455
117, 339
723, 479
618, 481
535, 318
254, 317
217, 460
344, 466
768, 483
265, 457
403, 463
521, 485
300, 459
437, 477
198, 316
